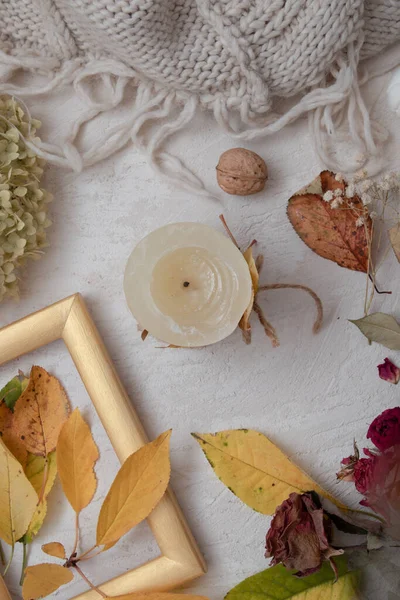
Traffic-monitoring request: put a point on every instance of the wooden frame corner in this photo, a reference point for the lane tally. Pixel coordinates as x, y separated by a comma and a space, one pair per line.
69, 319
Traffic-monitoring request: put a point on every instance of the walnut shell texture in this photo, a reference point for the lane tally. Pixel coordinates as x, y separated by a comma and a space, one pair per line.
241, 172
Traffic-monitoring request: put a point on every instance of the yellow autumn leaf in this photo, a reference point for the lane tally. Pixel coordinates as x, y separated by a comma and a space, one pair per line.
40, 412
76, 456
37, 472
137, 489
244, 322
18, 498
41, 580
54, 549
254, 469
10, 437
158, 596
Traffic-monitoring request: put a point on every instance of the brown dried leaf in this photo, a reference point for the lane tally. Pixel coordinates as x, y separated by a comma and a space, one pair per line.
40, 412
76, 456
330, 233
394, 237
137, 489
55, 549
41, 580
9, 436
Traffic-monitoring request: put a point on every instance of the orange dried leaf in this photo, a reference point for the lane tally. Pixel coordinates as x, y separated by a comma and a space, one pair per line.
137, 489
41, 580
76, 456
55, 549
9, 436
40, 412
331, 233
244, 322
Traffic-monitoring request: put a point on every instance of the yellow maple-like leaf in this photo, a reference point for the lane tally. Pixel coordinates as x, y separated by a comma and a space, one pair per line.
158, 596
18, 498
244, 322
137, 489
36, 472
76, 456
41, 580
40, 412
10, 437
54, 549
254, 469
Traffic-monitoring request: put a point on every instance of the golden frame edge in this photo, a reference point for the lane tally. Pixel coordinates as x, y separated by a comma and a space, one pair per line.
69, 320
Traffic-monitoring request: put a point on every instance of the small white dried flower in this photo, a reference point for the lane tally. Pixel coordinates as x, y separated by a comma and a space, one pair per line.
328, 196
339, 177
360, 222
360, 175
335, 203
366, 199
373, 214
366, 185
338, 192
350, 190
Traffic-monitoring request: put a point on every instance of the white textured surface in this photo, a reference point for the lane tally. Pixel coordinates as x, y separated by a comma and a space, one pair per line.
311, 396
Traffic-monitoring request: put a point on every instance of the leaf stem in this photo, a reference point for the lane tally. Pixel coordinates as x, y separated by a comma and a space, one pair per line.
9, 560
228, 231
24, 562
2, 555
76, 533
87, 552
90, 584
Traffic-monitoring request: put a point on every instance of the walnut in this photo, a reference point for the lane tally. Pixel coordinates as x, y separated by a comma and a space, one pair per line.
241, 172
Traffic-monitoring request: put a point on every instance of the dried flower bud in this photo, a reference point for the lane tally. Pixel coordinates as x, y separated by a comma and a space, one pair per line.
389, 372
241, 172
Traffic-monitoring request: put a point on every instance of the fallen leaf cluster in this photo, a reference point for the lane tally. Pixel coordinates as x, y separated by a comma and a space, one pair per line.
40, 437
352, 224
302, 539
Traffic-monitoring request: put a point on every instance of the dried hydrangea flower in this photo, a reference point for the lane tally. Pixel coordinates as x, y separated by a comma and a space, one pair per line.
23, 203
328, 196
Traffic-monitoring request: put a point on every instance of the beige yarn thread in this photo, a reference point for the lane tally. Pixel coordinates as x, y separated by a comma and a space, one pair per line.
233, 57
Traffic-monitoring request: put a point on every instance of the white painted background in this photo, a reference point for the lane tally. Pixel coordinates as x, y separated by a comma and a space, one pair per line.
311, 396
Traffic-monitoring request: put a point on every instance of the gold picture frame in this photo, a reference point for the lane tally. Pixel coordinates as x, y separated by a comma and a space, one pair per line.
69, 320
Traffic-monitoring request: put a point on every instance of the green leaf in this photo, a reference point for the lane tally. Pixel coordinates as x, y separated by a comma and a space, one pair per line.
277, 583
380, 328
11, 392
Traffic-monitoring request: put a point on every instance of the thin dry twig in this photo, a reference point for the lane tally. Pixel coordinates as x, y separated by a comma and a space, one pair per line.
228, 231
320, 312
268, 328
90, 584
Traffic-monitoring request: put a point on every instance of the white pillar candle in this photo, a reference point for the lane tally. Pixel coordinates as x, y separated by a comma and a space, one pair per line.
187, 284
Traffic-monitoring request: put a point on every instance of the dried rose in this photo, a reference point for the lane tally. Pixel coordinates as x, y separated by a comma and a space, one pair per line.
299, 535
389, 372
384, 431
358, 469
383, 494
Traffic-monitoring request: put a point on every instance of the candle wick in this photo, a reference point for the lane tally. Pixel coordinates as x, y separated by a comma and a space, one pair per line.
186, 284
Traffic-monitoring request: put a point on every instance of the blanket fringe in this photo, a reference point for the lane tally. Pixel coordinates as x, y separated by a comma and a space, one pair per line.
330, 109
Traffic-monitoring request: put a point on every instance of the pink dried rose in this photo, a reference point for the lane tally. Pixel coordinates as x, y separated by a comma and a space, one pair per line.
299, 536
384, 431
358, 469
389, 372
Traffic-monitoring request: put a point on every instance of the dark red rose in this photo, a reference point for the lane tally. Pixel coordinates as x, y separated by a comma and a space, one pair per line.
384, 431
299, 535
389, 372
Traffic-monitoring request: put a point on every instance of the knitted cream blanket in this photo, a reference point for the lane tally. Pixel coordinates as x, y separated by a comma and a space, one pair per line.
233, 57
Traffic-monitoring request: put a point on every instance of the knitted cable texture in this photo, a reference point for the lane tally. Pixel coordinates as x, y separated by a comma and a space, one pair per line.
236, 58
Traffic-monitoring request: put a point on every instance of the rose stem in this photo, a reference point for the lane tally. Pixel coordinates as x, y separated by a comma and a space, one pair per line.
90, 584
